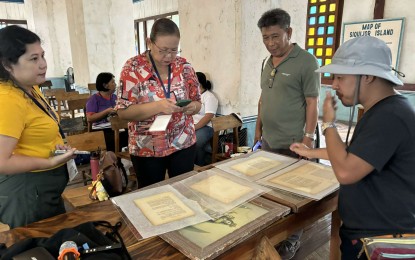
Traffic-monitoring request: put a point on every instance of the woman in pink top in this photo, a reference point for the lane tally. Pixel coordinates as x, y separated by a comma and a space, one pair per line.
151, 84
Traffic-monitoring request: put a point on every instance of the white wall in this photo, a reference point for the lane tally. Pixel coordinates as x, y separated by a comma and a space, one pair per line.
109, 35
49, 20
12, 11
224, 41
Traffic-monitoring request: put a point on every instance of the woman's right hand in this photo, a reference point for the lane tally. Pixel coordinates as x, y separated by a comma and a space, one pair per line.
168, 106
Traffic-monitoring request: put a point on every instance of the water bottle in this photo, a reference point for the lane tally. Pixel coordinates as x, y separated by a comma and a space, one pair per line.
94, 162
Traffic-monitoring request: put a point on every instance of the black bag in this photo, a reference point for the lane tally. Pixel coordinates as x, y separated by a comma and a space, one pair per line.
81, 234
227, 137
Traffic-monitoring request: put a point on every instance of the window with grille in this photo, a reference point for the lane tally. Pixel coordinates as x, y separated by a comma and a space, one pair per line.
142, 29
323, 31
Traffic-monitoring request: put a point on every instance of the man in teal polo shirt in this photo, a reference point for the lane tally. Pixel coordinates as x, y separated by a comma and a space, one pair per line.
288, 106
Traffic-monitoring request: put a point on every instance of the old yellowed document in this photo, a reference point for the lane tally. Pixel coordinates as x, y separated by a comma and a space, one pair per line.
255, 165
163, 208
221, 189
309, 178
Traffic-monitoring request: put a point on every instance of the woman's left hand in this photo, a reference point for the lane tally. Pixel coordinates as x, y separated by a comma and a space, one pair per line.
190, 109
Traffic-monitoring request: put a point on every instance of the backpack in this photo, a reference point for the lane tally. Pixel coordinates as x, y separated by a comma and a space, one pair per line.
93, 234
112, 173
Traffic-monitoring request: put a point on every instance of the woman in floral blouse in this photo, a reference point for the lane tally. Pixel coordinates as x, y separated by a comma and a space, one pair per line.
150, 86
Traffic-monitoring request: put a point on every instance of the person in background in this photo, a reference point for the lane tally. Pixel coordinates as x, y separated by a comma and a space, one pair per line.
151, 84
288, 105
31, 178
376, 170
203, 126
100, 106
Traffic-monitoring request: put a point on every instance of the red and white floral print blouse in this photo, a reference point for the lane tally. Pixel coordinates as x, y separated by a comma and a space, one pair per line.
139, 84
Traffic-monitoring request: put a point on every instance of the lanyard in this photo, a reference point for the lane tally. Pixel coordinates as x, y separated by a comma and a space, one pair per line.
49, 112
166, 93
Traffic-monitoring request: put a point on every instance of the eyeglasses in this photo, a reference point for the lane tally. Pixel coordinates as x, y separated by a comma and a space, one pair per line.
271, 80
166, 52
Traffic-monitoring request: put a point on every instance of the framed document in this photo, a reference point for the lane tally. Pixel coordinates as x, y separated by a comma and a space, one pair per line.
158, 210
209, 239
256, 165
163, 208
305, 178
217, 191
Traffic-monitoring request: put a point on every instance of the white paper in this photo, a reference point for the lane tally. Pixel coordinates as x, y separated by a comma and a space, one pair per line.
160, 124
72, 169
127, 203
101, 126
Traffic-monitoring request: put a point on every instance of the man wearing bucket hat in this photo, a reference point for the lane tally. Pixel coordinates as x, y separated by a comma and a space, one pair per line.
376, 170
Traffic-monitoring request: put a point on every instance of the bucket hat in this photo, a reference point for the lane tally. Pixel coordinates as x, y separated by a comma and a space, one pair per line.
364, 55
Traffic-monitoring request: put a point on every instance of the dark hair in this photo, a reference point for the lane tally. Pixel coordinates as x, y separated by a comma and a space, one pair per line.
162, 27
103, 78
13, 41
275, 17
203, 81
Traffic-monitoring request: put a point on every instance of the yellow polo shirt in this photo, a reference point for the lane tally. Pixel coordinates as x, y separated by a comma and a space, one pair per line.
21, 118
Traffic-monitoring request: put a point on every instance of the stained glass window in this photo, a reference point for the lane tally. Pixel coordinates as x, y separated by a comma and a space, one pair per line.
323, 30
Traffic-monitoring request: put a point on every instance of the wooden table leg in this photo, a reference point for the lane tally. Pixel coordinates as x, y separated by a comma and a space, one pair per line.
265, 250
335, 238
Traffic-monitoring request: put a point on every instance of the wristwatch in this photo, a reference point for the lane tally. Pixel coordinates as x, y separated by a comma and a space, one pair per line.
311, 136
326, 125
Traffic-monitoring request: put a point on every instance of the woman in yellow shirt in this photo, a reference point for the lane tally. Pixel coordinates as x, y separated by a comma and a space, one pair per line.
31, 179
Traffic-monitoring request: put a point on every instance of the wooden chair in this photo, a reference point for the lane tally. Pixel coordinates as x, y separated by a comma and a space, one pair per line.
92, 88
77, 103
87, 142
116, 125
45, 85
62, 98
220, 124
50, 95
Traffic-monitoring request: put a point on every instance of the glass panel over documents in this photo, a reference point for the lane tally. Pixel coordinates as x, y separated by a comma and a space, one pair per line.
159, 210
305, 178
257, 165
211, 238
218, 192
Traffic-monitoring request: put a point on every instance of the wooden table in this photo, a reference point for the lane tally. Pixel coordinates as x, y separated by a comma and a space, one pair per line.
156, 248
78, 197
305, 213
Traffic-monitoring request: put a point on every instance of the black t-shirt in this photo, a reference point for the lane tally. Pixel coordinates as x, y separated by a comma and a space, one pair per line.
384, 201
